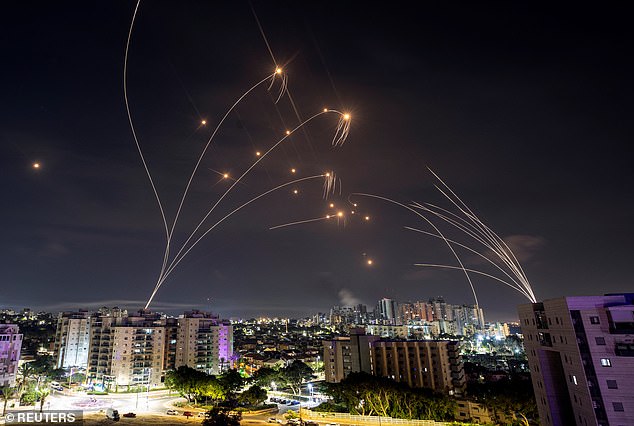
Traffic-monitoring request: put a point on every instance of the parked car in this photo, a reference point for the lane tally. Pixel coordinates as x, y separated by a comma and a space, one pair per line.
274, 420
171, 412
294, 422
112, 414
202, 414
331, 424
310, 423
188, 414
294, 403
132, 415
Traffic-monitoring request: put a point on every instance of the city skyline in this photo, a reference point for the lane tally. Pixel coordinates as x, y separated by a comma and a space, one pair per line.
523, 112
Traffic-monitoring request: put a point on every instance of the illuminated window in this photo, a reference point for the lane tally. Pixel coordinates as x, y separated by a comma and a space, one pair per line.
605, 362
594, 320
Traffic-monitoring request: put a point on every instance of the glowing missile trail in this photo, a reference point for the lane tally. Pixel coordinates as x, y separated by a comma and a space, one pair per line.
300, 222
340, 135
475, 272
417, 213
510, 277
178, 258
134, 135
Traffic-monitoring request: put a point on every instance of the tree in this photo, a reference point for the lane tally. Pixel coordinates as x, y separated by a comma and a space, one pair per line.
295, 374
221, 417
255, 395
7, 393
26, 371
365, 394
231, 381
188, 382
42, 394
264, 376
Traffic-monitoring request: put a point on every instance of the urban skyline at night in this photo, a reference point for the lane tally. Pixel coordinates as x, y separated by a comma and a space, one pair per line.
523, 112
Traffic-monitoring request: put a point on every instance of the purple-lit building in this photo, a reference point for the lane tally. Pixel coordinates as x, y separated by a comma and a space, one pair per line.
10, 347
581, 356
204, 342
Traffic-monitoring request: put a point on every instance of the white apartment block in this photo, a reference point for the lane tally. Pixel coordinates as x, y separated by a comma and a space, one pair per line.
72, 339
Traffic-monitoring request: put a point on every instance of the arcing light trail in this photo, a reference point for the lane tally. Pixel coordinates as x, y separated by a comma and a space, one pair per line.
440, 234
468, 223
338, 139
178, 259
340, 135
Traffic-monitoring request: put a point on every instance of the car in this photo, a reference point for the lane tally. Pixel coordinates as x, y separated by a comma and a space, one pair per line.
294, 403
331, 424
294, 422
274, 420
202, 414
129, 415
310, 423
274, 399
188, 414
112, 414
171, 412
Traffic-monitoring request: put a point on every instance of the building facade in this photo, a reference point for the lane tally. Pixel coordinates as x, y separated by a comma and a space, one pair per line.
429, 364
72, 339
137, 350
419, 363
10, 347
581, 356
204, 342
387, 311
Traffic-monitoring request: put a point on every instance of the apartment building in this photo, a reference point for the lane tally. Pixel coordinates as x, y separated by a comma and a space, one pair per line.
581, 356
10, 347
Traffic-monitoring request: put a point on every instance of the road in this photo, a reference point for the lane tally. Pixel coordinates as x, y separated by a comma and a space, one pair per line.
150, 408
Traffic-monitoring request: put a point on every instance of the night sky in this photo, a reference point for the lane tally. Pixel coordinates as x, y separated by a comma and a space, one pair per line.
524, 109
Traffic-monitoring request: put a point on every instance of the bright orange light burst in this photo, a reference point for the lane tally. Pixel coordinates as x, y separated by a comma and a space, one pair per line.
36, 165
295, 191
278, 70
346, 117
370, 261
258, 153
293, 170
339, 214
367, 218
288, 132
225, 175
203, 122
332, 205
